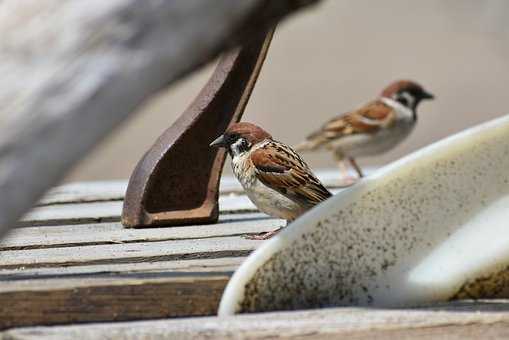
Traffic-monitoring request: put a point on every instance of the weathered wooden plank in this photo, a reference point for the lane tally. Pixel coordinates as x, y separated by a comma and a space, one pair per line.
75, 213
223, 264
46, 279
127, 298
47, 296
128, 252
83, 192
458, 320
234, 203
111, 233
110, 211
99, 191
66, 64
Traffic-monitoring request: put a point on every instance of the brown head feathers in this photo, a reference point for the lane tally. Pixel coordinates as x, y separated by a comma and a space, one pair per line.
252, 133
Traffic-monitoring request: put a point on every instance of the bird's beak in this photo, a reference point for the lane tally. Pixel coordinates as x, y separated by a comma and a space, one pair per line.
427, 95
218, 142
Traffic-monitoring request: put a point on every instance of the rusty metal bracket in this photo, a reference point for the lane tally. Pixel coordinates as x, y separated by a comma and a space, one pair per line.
177, 180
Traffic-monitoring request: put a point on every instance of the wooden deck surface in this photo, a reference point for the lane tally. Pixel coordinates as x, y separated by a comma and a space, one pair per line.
70, 261
458, 320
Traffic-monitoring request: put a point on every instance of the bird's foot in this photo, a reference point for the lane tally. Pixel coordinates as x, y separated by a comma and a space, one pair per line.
262, 236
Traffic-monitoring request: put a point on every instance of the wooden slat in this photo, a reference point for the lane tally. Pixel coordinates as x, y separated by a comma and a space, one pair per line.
224, 264
103, 272
111, 233
117, 282
47, 279
128, 252
74, 262
126, 298
107, 293
83, 192
458, 320
100, 191
110, 211
95, 202
74, 213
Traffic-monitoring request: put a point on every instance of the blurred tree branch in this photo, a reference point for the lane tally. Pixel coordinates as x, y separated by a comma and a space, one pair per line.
73, 70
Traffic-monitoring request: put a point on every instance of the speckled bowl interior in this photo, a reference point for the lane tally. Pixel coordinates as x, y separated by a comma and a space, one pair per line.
432, 226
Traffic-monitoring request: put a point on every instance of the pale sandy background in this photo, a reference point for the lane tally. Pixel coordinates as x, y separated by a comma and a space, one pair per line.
340, 54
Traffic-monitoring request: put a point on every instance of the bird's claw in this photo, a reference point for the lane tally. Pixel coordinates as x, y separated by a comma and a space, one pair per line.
262, 236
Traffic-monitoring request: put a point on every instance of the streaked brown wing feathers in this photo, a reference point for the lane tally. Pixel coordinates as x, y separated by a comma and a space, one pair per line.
281, 169
368, 119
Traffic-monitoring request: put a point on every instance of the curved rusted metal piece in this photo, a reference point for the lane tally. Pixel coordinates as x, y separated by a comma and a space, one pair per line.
177, 180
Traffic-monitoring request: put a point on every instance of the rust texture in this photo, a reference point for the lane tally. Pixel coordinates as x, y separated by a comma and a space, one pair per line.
177, 180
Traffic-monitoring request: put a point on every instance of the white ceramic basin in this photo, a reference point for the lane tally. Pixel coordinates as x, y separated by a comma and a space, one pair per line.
430, 227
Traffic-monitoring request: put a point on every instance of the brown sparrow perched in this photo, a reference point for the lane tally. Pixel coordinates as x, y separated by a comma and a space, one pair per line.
372, 129
274, 177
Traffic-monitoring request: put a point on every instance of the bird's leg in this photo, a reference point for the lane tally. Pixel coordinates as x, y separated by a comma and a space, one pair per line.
346, 179
356, 167
263, 236
343, 169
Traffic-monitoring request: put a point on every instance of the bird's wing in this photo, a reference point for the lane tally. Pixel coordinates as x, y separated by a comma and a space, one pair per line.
366, 120
282, 169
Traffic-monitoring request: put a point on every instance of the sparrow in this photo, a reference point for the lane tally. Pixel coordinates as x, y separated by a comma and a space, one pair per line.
274, 177
372, 129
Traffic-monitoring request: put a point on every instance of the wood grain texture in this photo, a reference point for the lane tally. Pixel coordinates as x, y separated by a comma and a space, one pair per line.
115, 233
121, 298
13, 278
458, 320
96, 202
53, 272
109, 211
82, 192
71, 274
65, 65
100, 191
108, 292
128, 253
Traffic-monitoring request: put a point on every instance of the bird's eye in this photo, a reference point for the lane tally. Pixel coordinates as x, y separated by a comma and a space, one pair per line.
405, 98
232, 138
239, 145
242, 141
401, 99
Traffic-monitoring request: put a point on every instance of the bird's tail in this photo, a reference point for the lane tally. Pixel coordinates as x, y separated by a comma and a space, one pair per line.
304, 146
310, 144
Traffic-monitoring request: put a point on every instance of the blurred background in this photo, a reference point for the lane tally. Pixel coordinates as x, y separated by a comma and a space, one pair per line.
339, 55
